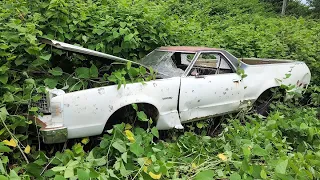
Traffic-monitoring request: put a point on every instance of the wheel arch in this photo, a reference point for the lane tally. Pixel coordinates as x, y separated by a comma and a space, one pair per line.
151, 110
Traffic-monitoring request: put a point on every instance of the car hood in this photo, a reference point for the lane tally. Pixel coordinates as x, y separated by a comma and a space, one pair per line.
77, 49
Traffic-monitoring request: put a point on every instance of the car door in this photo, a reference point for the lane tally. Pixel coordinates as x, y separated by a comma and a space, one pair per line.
209, 87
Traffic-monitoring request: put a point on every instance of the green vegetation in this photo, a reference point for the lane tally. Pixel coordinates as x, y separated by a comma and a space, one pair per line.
284, 145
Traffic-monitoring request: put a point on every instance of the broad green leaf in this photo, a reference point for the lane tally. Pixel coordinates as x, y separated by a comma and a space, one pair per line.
128, 65
59, 177
3, 113
4, 46
111, 174
142, 116
49, 173
281, 166
83, 72
303, 126
14, 175
94, 71
57, 71
2, 169
136, 149
128, 37
98, 31
78, 148
2, 177
235, 176
119, 145
69, 172
124, 157
123, 24
246, 150
30, 81
34, 169
199, 125
257, 150
19, 61
4, 78
155, 132
205, 175
58, 168
83, 175
135, 107
51, 83
85, 38
46, 57
8, 97
33, 109
263, 174
4, 148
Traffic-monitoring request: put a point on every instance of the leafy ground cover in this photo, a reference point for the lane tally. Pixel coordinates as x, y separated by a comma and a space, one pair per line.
285, 145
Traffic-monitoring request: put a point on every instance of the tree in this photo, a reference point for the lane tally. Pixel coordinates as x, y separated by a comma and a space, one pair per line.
315, 5
284, 6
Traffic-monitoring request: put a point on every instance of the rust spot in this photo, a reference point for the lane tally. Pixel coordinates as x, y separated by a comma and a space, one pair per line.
110, 107
227, 89
224, 93
192, 90
199, 100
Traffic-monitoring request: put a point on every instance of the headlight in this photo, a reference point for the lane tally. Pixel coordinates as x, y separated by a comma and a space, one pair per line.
45, 101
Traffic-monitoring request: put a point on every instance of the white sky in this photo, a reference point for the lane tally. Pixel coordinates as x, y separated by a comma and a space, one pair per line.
304, 1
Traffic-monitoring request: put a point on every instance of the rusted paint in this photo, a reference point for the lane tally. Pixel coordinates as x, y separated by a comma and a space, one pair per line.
187, 48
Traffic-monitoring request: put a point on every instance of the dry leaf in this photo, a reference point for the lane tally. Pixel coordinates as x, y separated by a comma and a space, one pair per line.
27, 149
130, 135
222, 157
155, 176
193, 166
85, 140
12, 142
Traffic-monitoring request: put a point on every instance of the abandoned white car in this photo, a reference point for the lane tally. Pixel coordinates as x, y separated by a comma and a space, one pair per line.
192, 83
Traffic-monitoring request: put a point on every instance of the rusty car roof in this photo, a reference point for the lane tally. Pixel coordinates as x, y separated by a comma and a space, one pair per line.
187, 48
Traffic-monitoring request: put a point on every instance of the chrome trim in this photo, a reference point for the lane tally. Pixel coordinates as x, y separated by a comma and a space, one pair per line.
54, 135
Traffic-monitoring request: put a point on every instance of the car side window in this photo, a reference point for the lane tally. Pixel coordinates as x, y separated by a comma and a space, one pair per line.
210, 64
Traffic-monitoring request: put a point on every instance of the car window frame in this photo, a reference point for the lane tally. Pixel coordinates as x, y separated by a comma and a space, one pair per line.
231, 65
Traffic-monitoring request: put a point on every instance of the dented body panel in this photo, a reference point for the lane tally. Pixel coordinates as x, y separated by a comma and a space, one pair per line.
86, 112
209, 95
184, 97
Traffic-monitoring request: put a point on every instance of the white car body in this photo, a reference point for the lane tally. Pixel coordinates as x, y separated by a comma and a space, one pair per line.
178, 99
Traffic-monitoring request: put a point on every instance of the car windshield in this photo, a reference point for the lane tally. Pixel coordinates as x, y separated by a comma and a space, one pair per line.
162, 62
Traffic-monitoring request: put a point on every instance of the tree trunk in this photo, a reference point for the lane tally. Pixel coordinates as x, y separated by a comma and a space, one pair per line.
284, 6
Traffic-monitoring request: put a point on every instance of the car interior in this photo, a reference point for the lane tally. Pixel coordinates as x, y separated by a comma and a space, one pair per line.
206, 64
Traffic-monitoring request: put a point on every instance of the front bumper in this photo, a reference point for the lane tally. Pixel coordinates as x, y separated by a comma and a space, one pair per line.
54, 135
51, 135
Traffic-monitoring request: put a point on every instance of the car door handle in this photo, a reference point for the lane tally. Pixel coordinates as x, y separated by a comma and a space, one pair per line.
236, 80
199, 76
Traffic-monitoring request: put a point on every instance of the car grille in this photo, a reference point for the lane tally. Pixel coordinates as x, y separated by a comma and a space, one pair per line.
43, 104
